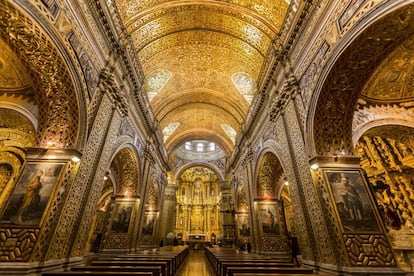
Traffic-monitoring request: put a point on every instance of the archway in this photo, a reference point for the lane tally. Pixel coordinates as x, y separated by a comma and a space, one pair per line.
243, 220
365, 86
118, 205
270, 180
55, 95
334, 101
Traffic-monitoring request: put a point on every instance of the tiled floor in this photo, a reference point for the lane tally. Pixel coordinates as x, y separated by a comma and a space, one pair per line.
196, 264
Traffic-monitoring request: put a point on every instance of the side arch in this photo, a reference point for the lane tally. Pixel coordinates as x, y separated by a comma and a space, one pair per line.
330, 116
58, 91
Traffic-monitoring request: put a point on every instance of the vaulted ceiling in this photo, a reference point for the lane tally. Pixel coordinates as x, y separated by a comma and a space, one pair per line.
201, 60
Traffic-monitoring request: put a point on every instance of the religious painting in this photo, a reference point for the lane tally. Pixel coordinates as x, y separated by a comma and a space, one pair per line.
31, 193
243, 225
352, 201
148, 227
350, 10
269, 220
122, 217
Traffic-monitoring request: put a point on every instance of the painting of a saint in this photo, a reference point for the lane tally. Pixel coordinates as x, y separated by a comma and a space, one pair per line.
352, 201
148, 227
120, 223
31, 194
244, 229
269, 220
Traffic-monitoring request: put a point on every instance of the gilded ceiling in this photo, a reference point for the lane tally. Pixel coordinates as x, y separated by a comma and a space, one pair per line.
13, 74
393, 80
201, 60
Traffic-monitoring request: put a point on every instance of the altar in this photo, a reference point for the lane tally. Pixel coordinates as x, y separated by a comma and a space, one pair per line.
196, 237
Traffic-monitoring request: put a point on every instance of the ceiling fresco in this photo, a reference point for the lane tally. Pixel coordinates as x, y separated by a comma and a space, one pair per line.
201, 60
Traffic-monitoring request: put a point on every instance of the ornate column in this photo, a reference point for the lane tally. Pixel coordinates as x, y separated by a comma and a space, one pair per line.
312, 232
112, 109
151, 192
227, 213
168, 211
247, 166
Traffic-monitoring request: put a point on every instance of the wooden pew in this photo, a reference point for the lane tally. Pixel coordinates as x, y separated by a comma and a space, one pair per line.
277, 274
169, 261
165, 268
217, 256
156, 270
171, 257
257, 270
224, 265
225, 260
81, 273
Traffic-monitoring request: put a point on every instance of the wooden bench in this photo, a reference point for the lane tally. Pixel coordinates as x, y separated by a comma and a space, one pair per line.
173, 261
277, 274
165, 266
224, 265
170, 262
267, 270
156, 270
233, 257
110, 273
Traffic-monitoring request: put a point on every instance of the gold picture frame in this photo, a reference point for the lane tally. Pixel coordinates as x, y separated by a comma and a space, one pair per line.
352, 202
31, 195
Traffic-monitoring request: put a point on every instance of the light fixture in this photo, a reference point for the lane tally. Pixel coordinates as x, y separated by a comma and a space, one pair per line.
286, 182
75, 159
314, 166
106, 176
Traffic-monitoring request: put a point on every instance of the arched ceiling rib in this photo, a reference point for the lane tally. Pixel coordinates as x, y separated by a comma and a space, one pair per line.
203, 44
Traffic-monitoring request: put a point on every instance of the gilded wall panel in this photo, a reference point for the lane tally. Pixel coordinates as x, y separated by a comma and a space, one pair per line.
17, 244
10, 164
368, 250
116, 241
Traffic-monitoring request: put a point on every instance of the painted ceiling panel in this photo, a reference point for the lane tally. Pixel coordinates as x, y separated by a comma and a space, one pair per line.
177, 100
203, 44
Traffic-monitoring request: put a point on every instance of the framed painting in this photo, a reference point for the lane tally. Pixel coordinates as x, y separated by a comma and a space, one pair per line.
31, 193
269, 219
352, 201
243, 225
122, 217
148, 227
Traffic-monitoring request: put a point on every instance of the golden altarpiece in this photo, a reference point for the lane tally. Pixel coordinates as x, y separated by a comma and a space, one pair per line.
198, 206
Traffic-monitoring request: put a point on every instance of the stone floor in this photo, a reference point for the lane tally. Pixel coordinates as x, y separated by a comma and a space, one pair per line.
196, 264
